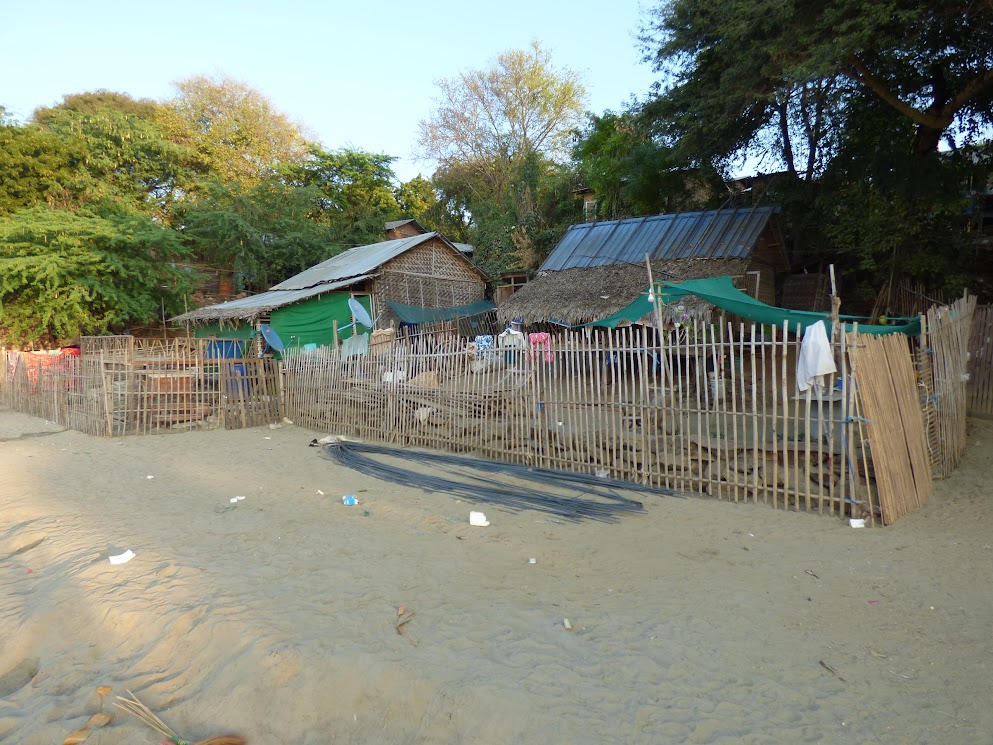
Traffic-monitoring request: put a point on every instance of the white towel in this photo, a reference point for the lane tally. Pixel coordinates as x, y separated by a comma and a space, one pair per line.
816, 359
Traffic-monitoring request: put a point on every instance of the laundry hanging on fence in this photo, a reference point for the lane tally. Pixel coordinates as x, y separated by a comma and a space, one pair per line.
816, 359
485, 346
514, 343
355, 346
541, 341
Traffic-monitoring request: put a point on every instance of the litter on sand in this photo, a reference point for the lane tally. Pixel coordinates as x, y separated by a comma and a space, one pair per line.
349, 500
478, 519
95, 722
403, 618
122, 558
137, 709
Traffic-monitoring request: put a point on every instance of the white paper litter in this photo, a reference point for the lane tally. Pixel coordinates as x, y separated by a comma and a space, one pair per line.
856, 523
123, 558
478, 519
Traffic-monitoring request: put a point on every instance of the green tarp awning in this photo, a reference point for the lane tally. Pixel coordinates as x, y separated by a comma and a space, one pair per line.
721, 292
415, 314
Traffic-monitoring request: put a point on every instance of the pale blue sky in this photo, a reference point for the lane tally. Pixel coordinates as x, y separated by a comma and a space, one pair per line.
357, 74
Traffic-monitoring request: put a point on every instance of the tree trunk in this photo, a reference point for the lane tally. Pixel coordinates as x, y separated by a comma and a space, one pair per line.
926, 140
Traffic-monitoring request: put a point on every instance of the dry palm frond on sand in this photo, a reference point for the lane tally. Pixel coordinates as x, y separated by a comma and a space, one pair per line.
135, 708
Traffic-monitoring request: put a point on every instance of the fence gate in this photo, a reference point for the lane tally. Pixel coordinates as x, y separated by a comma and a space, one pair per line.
251, 392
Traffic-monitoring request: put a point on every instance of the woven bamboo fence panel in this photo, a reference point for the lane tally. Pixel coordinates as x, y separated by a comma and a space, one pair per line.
250, 392
980, 385
888, 391
944, 388
704, 408
120, 386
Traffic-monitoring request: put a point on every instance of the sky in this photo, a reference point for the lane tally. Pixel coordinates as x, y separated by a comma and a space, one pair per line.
354, 74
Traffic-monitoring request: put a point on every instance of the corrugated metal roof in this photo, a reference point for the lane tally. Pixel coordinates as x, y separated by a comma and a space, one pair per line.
715, 234
252, 305
353, 262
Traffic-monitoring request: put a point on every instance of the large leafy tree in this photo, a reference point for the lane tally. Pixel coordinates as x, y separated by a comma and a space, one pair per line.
63, 273
733, 69
849, 100
357, 191
39, 167
265, 232
500, 136
128, 161
236, 131
631, 173
487, 122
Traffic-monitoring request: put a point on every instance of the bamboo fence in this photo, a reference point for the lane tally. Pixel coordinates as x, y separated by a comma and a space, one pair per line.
701, 409
120, 385
980, 385
943, 364
896, 438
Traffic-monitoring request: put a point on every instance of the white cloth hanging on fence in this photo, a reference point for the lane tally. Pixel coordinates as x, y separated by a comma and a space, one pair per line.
816, 359
355, 346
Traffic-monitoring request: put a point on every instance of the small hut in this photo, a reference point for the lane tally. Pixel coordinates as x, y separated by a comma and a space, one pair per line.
424, 270
598, 268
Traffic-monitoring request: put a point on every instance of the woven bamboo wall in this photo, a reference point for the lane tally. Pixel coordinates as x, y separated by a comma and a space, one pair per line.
430, 276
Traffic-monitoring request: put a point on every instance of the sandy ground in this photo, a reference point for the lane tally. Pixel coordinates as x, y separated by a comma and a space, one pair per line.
695, 622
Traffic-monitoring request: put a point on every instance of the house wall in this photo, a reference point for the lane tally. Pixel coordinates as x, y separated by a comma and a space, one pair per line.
408, 230
431, 276
769, 260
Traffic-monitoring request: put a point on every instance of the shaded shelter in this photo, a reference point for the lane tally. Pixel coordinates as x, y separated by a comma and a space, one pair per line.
599, 268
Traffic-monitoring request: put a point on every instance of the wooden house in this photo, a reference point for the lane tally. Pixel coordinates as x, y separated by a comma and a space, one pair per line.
598, 268
424, 270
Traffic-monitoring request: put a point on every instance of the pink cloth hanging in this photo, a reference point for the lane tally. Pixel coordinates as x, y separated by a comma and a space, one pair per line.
541, 340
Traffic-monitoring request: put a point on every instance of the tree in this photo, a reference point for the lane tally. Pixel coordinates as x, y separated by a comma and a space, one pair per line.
630, 173
39, 167
850, 101
128, 159
236, 131
357, 191
488, 121
265, 232
65, 273
743, 60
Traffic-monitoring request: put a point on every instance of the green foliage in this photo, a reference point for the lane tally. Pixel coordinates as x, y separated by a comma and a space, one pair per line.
487, 122
39, 167
65, 273
128, 161
263, 231
356, 188
538, 209
632, 174
238, 135
732, 67
850, 101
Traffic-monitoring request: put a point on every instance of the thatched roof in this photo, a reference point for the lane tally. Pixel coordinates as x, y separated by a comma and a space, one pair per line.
575, 296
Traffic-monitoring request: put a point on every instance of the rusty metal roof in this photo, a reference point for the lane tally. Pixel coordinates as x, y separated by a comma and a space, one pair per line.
714, 234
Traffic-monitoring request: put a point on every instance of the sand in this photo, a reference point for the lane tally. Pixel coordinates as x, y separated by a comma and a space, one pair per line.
274, 618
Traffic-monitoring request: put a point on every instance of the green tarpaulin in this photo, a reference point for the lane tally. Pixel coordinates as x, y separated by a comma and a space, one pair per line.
310, 321
415, 314
721, 292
